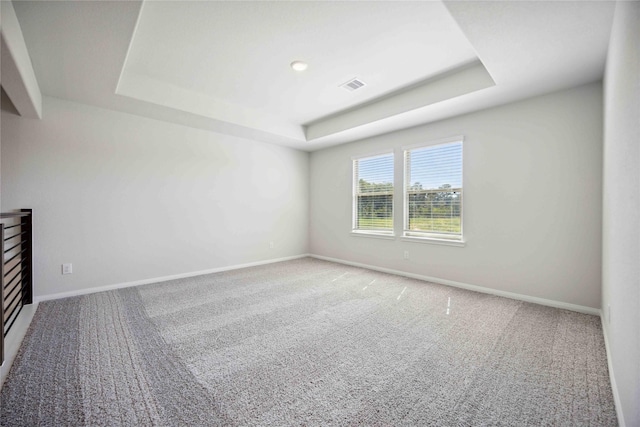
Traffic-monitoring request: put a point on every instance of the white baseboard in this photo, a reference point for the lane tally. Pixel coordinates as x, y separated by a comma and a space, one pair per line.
512, 295
14, 338
612, 376
161, 279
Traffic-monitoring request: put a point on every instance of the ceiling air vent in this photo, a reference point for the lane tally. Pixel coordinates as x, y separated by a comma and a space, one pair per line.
353, 84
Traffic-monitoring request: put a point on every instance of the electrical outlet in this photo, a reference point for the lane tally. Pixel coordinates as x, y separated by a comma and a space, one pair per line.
406, 255
67, 268
271, 245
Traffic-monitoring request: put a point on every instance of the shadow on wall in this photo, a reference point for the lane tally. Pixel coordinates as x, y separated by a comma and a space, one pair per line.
7, 105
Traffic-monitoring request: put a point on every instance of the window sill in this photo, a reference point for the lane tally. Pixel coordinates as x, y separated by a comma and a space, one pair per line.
374, 235
457, 243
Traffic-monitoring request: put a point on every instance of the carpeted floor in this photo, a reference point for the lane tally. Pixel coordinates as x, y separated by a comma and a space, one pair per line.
306, 342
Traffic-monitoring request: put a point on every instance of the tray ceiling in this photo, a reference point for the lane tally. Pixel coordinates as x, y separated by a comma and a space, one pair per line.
224, 66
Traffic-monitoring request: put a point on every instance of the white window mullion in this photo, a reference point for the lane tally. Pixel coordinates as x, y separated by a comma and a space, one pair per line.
407, 185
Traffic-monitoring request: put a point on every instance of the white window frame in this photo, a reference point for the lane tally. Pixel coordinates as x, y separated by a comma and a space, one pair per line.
382, 234
412, 236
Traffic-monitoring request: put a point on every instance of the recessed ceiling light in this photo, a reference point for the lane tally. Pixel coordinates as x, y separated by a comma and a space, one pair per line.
299, 65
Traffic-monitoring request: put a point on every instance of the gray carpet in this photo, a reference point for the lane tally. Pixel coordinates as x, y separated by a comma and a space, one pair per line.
306, 342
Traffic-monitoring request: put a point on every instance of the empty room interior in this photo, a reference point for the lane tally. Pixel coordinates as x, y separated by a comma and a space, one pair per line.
320, 213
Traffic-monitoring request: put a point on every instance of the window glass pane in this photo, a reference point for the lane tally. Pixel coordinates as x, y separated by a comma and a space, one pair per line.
434, 191
373, 193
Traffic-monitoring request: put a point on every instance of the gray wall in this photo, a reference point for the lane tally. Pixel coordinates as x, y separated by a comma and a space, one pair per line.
126, 198
621, 215
532, 200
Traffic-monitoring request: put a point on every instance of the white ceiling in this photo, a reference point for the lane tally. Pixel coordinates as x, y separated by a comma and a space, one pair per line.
224, 66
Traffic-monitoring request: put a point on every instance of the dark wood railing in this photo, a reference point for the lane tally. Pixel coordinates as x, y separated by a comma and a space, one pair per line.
16, 272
